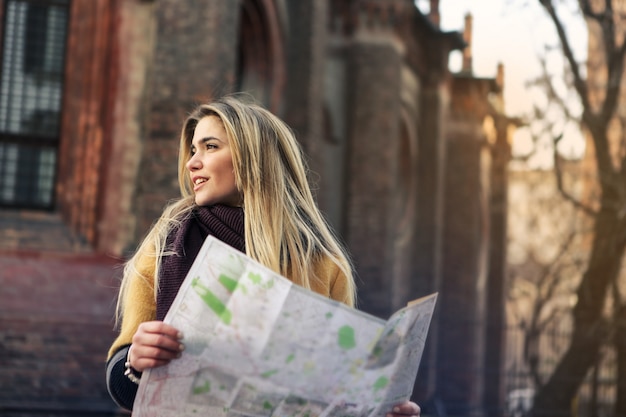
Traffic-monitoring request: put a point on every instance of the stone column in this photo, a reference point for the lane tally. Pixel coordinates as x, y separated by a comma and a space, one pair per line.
431, 169
462, 305
495, 336
374, 65
304, 87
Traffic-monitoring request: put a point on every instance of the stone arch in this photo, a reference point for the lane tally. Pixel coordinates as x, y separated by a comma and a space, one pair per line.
330, 185
261, 52
404, 211
406, 195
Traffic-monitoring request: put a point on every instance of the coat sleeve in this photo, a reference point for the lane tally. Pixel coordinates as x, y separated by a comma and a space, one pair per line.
340, 290
331, 282
139, 304
121, 389
139, 307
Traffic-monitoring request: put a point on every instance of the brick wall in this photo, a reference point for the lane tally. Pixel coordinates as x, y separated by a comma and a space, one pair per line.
86, 118
55, 330
130, 69
57, 289
194, 60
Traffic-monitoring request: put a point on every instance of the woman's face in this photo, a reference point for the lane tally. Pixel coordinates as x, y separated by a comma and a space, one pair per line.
211, 165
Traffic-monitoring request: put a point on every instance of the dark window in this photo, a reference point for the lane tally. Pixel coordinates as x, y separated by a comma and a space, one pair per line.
31, 85
253, 67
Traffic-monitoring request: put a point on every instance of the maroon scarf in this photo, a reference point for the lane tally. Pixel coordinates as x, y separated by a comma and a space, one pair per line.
223, 222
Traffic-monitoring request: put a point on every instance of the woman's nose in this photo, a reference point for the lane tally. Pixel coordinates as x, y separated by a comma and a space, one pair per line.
193, 163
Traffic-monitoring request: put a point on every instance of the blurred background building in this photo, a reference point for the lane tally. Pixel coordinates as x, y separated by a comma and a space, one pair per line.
408, 160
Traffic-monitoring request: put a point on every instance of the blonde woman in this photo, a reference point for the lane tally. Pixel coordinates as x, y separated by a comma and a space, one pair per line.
243, 180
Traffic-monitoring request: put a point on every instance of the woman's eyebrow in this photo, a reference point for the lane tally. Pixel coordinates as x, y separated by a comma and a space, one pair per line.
206, 139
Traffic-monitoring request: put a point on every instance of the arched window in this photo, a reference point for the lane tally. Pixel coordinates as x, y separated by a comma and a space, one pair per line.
260, 61
405, 204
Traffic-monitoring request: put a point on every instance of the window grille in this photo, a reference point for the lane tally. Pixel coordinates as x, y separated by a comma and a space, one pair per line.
31, 85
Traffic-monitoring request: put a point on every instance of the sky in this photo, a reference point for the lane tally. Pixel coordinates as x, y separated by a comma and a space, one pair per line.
513, 32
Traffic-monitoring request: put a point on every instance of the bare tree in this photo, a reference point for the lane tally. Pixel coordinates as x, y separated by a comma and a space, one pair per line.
598, 290
544, 255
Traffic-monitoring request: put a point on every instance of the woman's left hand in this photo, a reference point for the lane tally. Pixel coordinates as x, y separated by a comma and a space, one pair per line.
407, 408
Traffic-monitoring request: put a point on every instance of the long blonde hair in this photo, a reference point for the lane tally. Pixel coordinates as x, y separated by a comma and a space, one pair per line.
284, 228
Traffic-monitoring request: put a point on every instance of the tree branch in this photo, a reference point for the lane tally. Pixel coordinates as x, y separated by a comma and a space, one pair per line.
546, 285
596, 122
622, 151
585, 7
553, 95
614, 66
579, 83
615, 63
558, 172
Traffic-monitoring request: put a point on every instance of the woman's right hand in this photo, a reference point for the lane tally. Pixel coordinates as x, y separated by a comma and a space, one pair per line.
154, 344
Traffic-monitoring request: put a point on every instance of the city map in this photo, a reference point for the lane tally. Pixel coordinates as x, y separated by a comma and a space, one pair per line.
258, 345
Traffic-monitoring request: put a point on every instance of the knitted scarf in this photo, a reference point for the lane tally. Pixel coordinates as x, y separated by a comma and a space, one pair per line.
223, 222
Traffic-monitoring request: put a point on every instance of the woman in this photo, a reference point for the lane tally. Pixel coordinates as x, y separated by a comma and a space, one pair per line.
234, 158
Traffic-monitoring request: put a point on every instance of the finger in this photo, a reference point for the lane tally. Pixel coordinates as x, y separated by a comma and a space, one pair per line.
407, 408
139, 352
141, 364
142, 357
156, 340
160, 328
158, 334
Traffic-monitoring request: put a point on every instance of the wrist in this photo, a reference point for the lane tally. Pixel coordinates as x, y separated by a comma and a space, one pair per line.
130, 372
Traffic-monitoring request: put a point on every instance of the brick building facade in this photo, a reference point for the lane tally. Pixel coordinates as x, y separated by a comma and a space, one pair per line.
405, 170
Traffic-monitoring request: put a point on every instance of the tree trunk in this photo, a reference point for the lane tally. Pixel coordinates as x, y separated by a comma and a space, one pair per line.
620, 347
555, 398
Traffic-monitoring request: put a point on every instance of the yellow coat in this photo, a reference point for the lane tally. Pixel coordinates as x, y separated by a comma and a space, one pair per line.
140, 303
